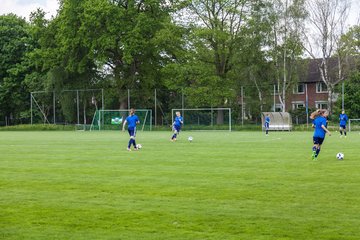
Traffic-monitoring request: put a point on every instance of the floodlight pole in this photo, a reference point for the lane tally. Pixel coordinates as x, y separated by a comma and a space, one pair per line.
128, 98
155, 108
182, 104
229, 119
78, 108
54, 107
274, 98
307, 106
31, 108
102, 99
342, 96
242, 105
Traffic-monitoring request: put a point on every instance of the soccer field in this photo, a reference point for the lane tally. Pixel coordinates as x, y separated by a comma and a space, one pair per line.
238, 185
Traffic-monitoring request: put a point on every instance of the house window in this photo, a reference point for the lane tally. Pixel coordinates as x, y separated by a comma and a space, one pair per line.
321, 104
278, 107
296, 105
321, 87
299, 88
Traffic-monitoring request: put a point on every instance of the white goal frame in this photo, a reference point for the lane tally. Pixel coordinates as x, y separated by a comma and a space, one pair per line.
200, 109
148, 115
354, 119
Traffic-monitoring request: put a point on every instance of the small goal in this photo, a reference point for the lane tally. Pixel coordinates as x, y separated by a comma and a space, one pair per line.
279, 121
354, 124
205, 118
113, 119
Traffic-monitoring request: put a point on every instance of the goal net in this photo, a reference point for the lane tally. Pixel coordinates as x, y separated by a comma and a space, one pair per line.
354, 125
114, 119
279, 121
204, 118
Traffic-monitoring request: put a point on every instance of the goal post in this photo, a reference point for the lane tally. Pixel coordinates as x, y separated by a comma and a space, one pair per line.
354, 124
204, 118
114, 119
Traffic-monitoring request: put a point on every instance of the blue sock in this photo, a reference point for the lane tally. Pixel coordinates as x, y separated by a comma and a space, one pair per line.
317, 152
340, 132
174, 136
130, 141
314, 148
345, 133
134, 143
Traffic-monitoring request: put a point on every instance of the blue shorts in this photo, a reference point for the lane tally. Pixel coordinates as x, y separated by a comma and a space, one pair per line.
177, 128
343, 126
132, 132
318, 140
267, 125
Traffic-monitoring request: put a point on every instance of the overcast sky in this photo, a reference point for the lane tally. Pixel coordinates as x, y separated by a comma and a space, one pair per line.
24, 7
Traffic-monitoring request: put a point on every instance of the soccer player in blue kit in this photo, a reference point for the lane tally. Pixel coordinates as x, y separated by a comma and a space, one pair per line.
319, 123
178, 122
343, 120
132, 120
267, 124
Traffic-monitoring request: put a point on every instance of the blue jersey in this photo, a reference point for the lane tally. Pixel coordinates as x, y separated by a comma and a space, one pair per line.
318, 123
178, 121
343, 119
267, 120
132, 120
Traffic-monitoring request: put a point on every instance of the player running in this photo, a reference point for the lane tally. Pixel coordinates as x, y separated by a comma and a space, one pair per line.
343, 120
178, 122
132, 120
319, 123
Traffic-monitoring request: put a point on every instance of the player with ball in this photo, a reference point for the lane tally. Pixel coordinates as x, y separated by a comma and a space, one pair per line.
320, 124
178, 122
131, 120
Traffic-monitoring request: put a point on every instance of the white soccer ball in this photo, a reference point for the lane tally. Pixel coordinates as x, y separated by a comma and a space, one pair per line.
138, 146
190, 138
340, 156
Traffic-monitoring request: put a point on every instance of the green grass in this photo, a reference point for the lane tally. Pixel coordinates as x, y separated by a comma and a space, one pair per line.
239, 185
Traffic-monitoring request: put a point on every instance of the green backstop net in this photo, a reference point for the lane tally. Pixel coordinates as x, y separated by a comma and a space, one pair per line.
114, 119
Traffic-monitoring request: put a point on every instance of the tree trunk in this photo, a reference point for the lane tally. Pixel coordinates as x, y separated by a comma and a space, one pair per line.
330, 103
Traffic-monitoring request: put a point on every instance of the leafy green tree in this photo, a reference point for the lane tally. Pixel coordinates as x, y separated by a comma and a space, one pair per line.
285, 45
15, 42
351, 95
350, 48
123, 39
215, 31
252, 68
327, 19
61, 60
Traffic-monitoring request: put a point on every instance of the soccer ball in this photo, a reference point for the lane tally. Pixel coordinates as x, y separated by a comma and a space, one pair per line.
190, 138
340, 156
138, 146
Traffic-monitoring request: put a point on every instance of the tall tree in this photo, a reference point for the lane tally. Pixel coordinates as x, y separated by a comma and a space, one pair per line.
286, 47
351, 95
15, 42
326, 19
251, 66
123, 39
217, 29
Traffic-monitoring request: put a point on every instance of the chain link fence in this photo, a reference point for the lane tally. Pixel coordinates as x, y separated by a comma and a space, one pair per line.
77, 107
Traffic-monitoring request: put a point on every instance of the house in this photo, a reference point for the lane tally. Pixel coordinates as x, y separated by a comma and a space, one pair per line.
309, 89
